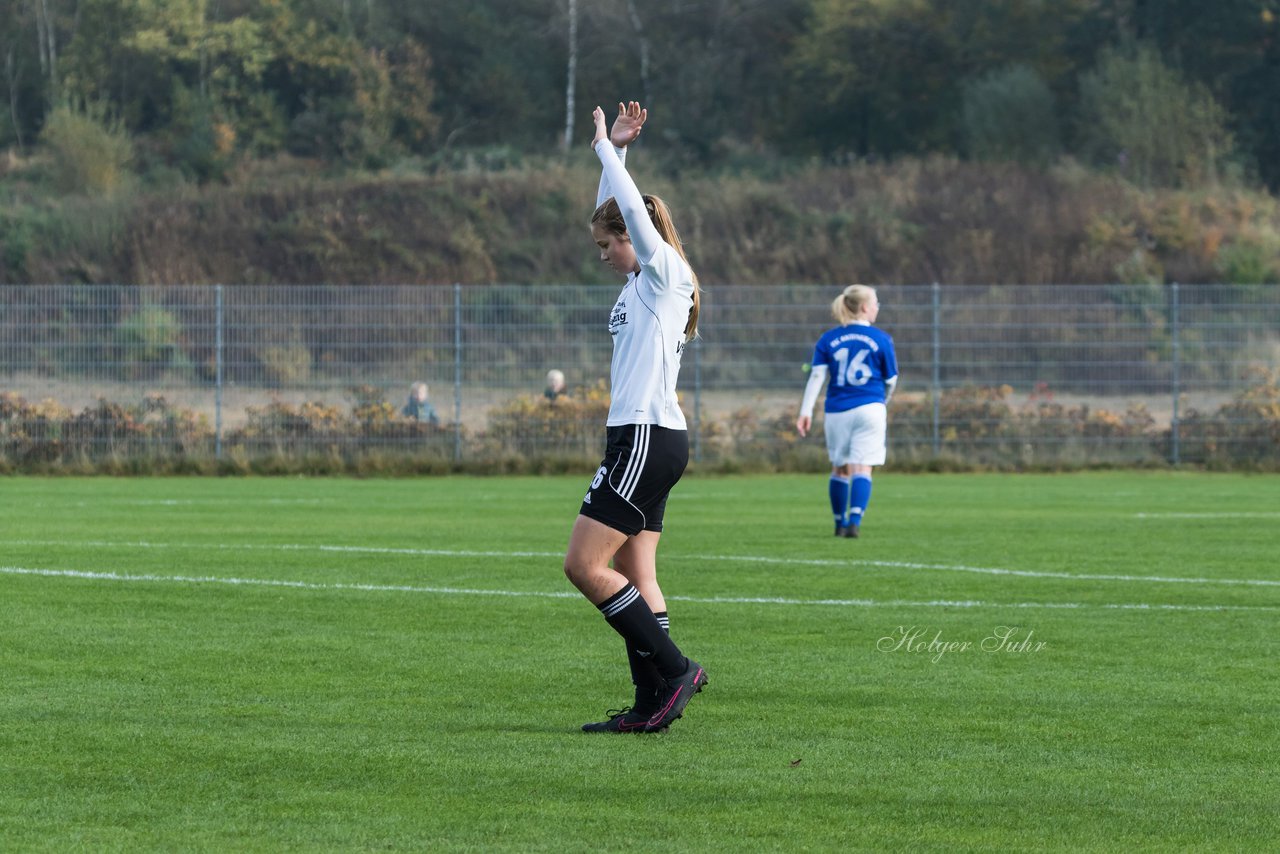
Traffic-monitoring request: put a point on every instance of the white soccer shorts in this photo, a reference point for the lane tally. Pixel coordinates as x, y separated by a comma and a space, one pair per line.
857, 436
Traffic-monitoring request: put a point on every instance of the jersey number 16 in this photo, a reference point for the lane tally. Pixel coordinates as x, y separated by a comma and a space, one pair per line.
853, 372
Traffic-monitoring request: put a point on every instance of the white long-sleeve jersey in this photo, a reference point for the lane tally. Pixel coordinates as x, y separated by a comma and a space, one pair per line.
648, 320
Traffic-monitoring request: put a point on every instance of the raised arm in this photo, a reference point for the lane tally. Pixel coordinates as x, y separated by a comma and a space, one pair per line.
626, 127
605, 191
618, 183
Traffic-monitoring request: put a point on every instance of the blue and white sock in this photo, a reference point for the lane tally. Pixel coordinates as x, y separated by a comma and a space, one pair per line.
838, 489
859, 498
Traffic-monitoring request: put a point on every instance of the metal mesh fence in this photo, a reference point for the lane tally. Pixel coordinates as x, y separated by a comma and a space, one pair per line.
989, 375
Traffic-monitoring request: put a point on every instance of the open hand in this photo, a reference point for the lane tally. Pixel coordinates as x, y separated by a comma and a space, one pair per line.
602, 128
626, 127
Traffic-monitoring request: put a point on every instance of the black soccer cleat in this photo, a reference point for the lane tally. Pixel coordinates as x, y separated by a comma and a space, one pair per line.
851, 532
621, 720
675, 694
840, 530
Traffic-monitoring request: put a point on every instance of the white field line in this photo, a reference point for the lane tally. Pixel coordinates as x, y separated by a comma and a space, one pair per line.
1019, 573
711, 600
1244, 514
777, 561
282, 547
186, 502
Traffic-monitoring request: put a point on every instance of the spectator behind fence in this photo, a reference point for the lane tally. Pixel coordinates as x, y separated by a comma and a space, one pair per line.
419, 408
555, 385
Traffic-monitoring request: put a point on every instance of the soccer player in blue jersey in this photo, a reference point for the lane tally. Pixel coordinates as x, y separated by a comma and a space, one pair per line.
612, 554
857, 362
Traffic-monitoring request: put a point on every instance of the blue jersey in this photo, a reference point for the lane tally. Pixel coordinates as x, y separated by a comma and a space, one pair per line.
859, 358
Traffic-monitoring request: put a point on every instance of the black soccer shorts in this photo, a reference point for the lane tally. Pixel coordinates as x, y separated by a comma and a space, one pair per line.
641, 464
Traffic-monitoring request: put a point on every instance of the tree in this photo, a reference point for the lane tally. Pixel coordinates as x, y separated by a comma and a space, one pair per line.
716, 71
1230, 46
1140, 116
1009, 114
498, 68
101, 65
875, 77
32, 35
571, 76
12, 57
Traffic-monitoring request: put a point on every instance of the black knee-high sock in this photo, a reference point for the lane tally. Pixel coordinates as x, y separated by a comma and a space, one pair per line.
646, 680
644, 675
630, 616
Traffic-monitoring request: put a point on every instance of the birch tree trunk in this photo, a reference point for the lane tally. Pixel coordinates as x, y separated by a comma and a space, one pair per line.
569, 107
11, 75
51, 38
644, 50
37, 6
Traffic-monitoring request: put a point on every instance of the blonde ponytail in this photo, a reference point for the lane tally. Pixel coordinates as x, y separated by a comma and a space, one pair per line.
847, 307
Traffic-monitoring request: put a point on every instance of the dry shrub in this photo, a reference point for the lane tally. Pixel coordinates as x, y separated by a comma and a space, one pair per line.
911, 221
570, 426
980, 427
43, 435
283, 431
1243, 433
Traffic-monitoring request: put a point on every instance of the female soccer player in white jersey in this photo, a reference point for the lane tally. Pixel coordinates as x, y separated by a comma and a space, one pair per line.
863, 370
647, 445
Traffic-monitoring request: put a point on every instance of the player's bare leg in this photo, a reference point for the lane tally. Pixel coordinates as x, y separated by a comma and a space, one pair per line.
637, 561
592, 545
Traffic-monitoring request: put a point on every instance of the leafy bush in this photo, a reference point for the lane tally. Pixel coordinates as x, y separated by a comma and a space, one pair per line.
16, 244
1140, 116
90, 153
1249, 262
285, 364
148, 343
1009, 114
197, 143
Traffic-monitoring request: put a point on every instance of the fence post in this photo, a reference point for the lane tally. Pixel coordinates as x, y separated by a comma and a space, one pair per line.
457, 372
937, 370
697, 400
217, 373
1175, 321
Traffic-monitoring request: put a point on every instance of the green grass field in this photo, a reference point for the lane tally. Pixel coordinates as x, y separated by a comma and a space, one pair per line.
326, 664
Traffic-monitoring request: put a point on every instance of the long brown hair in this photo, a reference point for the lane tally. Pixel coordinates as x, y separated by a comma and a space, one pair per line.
609, 217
